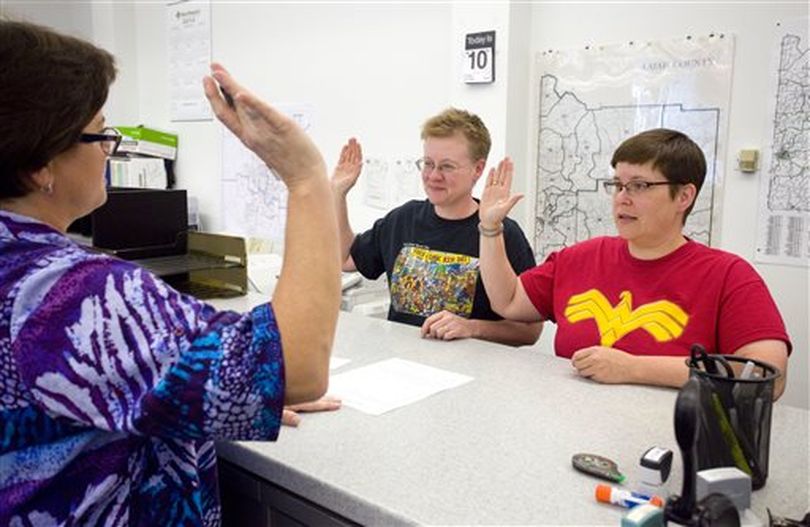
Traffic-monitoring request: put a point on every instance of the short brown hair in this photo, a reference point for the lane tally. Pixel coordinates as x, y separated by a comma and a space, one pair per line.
672, 153
452, 121
53, 85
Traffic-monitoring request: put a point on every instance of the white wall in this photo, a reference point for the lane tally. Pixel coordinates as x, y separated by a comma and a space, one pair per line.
377, 71
503, 104
564, 26
73, 17
371, 71
108, 26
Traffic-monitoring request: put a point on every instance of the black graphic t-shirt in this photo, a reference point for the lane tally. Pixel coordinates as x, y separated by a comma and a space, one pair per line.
432, 263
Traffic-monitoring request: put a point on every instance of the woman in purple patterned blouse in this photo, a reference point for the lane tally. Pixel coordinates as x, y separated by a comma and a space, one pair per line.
113, 385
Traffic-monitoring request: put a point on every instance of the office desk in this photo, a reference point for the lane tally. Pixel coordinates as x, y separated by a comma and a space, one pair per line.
494, 451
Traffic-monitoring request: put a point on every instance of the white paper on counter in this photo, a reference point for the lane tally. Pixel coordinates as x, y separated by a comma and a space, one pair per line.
337, 362
392, 383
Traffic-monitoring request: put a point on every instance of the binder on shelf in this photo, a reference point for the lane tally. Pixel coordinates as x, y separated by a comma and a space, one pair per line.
147, 141
144, 159
138, 172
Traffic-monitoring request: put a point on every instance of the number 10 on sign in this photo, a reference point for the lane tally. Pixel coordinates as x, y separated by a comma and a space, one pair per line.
479, 58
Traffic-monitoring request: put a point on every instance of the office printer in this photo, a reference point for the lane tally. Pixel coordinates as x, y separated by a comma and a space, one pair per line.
150, 228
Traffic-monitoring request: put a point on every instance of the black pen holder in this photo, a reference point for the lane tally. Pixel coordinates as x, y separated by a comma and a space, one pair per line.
736, 401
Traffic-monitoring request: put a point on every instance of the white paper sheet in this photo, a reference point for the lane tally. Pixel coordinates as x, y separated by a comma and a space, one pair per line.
392, 383
783, 226
407, 181
254, 199
189, 28
375, 178
337, 362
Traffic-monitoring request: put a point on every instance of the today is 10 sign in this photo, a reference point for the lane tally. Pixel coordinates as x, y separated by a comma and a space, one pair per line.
478, 63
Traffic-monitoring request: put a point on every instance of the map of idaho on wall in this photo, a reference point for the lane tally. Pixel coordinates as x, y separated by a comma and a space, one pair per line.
784, 200
590, 100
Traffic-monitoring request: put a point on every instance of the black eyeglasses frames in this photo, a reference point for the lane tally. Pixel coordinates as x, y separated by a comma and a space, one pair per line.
109, 138
633, 187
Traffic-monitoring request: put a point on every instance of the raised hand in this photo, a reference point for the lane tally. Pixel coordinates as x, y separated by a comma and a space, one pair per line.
274, 137
496, 201
348, 168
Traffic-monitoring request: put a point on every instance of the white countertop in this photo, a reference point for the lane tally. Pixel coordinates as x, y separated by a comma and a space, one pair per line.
494, 451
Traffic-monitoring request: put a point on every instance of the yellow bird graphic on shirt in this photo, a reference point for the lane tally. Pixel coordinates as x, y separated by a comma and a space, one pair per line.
661, 319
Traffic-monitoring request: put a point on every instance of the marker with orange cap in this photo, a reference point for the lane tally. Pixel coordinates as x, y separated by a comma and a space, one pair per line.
625, 498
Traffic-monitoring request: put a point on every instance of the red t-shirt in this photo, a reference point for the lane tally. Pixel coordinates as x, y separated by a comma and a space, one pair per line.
598, 294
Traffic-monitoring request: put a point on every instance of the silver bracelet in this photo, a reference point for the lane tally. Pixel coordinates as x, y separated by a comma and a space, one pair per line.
490, 233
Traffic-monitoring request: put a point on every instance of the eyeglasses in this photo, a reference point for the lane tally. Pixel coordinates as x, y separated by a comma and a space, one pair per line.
109, 138
633, 187
426, 166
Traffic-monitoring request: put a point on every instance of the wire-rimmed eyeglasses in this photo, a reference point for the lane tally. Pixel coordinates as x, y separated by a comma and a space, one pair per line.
426, 166
633, 187
109, 138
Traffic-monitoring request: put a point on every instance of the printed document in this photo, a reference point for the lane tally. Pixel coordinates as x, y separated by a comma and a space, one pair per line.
383, 386
337, 362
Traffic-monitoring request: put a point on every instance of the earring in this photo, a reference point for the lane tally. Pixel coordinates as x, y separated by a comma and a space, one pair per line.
48, 188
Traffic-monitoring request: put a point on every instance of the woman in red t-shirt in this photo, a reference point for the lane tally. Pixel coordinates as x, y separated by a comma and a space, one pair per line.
629, 307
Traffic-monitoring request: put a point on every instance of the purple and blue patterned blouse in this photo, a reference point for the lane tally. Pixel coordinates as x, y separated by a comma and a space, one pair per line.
113, 387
